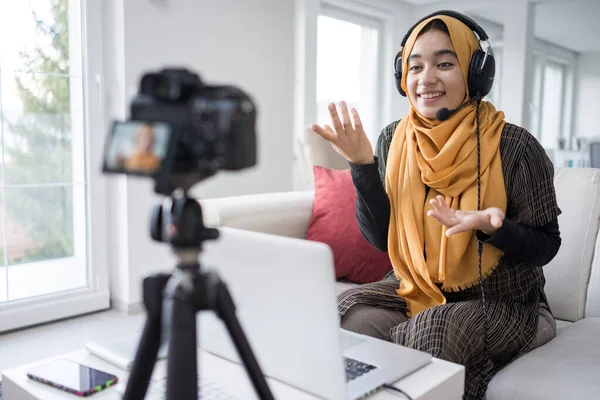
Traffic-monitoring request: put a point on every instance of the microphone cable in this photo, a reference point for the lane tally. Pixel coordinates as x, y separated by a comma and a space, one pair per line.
479, 252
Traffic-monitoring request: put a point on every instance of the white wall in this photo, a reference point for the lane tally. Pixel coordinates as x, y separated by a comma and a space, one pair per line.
587, 89
241, 42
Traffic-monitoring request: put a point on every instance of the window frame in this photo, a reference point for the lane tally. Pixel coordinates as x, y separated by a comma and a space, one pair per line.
370, 17
545, 54
36, 310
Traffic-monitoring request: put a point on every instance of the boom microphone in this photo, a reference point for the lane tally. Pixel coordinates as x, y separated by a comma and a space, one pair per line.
444, 113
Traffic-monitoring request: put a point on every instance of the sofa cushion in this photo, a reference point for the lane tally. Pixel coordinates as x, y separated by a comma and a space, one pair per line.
333, 221
568, 274
311, 149
592, 303
285, 213
560, 324
567, 367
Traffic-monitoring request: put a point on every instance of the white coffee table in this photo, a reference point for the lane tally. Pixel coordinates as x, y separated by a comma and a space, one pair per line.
438, 380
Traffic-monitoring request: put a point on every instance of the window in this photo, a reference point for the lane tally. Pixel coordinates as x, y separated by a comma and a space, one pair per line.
549, 114
348, 66
536, 98
44, 184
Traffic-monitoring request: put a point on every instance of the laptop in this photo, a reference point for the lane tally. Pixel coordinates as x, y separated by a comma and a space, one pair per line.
285, 297
284, 290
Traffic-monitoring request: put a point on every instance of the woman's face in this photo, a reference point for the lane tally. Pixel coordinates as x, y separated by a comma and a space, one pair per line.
434, 78
145, 140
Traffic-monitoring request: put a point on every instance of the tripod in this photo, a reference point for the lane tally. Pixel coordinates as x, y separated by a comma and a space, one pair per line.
172, 301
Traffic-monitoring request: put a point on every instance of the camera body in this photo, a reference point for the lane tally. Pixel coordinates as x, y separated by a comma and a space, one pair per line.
182, 131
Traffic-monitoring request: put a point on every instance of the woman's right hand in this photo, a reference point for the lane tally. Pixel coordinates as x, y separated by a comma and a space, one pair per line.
347, 139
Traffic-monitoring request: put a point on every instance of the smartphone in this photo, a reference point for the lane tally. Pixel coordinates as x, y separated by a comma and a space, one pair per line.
72, 377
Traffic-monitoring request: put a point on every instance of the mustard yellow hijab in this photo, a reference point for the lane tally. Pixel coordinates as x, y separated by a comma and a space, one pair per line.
443, 156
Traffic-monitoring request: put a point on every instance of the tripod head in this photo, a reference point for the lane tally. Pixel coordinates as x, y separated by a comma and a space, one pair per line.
178, 222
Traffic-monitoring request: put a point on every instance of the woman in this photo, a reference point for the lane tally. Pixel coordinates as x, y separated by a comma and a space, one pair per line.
144, 159
465, 207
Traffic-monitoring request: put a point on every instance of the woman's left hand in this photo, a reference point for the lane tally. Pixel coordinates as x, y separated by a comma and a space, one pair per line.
488, 220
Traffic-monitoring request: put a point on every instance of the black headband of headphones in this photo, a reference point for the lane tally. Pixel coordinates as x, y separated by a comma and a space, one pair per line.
461, 17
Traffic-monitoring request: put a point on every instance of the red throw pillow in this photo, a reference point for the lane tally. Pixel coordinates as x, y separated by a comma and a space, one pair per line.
333, 221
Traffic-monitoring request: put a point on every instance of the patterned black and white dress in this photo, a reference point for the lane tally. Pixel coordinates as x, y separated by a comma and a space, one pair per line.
514, 291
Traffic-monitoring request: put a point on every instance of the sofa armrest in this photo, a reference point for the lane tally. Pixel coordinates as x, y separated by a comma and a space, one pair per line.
284, 213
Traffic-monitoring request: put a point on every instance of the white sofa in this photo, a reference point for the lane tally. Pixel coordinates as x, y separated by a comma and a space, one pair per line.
568, 367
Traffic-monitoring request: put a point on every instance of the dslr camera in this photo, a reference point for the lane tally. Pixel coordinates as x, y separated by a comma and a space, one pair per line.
182, 131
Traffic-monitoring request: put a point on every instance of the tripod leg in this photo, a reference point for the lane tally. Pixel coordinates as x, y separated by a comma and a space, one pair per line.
182, 368
145, 356
225, 308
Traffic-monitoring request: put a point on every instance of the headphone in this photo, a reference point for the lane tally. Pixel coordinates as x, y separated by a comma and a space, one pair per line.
483, 65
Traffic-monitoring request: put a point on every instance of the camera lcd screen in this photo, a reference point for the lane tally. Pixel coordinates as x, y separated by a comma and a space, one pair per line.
137, 147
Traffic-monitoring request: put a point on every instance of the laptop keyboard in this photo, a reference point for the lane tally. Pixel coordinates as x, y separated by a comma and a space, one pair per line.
207, 390
355, 368
211, 390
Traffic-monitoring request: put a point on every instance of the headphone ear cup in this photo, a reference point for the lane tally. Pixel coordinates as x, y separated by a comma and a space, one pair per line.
489, 73
481, 79
398, 74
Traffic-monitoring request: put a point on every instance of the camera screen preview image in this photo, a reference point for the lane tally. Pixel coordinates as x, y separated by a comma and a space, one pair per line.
137, 147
